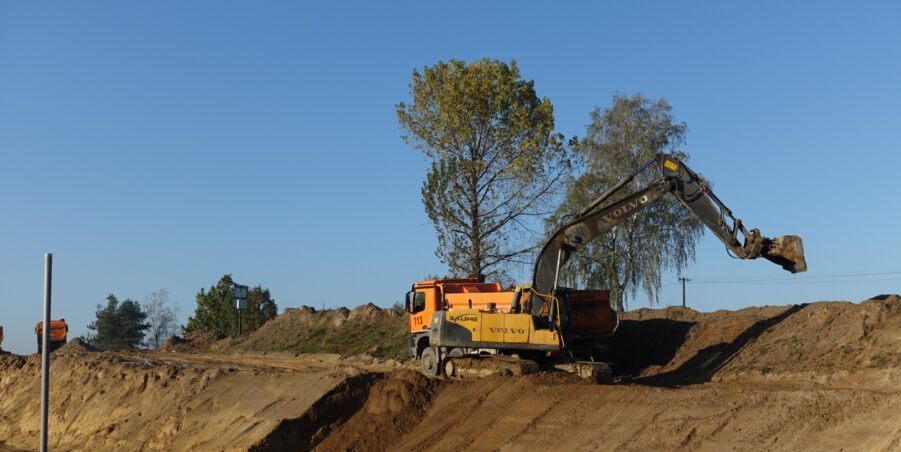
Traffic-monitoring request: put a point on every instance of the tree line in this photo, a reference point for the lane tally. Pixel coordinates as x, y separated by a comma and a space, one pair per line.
128, 324
498, 169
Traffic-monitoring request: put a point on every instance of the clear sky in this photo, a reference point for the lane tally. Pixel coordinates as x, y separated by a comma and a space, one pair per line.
153, 145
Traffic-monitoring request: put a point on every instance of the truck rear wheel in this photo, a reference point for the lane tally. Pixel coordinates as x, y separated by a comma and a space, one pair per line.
431, 365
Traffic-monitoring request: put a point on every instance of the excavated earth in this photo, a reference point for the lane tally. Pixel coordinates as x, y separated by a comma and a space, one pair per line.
817, 376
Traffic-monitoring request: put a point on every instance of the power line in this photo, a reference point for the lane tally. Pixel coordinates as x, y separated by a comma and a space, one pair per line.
838, 277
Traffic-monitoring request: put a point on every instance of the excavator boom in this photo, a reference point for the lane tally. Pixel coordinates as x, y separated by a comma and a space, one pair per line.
693, 192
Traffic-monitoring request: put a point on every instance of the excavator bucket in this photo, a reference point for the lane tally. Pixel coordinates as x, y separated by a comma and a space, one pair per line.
787, 251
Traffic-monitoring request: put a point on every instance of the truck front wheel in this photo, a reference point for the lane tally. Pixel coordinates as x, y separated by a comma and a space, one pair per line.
431, 365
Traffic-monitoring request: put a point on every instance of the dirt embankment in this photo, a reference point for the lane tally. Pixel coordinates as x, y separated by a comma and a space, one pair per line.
810, 342
367, 329
165, 401
819, 376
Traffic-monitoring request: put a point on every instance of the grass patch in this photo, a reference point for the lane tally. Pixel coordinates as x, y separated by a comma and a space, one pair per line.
830, 320
878, 361
764, 370
845, 349
794, 347
382, 339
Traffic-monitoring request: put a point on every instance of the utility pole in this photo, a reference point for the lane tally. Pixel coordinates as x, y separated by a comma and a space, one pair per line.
683, 279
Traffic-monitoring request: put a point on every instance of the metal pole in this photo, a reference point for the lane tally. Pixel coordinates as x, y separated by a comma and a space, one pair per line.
45, 349
239, 323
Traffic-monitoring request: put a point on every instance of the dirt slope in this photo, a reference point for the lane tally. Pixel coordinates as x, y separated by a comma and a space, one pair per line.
156, 401
815, 341
516, 414
818, 376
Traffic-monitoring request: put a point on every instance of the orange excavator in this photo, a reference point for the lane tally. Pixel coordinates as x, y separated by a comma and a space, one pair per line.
460, 326
58, 332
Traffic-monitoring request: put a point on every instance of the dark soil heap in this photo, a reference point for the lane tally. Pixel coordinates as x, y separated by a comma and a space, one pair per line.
194, 342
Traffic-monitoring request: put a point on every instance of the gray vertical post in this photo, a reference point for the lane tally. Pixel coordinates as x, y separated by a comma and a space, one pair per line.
45, 348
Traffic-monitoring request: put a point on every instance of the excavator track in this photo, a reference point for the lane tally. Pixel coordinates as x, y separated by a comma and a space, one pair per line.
484, 365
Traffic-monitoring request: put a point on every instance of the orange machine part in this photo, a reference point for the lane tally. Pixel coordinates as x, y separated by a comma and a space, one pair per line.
58, 329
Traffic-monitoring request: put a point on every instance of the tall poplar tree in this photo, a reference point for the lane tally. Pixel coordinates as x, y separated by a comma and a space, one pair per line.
662, 237
495, 159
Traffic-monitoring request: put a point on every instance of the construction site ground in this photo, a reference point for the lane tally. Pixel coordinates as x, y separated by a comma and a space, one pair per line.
817, 376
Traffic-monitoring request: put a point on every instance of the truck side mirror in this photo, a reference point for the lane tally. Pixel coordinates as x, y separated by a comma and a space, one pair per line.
408, 304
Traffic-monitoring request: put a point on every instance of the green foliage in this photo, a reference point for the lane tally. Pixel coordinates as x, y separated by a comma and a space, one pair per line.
794, 347
764, 370
215, 309
662, 236
118, 326
494, 159
878, 361
383, 339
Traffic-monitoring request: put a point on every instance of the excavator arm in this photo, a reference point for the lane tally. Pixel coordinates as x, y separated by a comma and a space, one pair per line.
693, 192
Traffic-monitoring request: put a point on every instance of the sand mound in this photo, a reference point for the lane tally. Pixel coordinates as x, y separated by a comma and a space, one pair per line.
371, 313
681, 346
367, 329
75, 347
159, 401
292, 326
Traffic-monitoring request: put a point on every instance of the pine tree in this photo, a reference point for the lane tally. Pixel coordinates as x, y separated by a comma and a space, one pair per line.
118, 325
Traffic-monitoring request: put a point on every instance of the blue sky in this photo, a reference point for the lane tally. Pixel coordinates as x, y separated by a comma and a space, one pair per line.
153, 145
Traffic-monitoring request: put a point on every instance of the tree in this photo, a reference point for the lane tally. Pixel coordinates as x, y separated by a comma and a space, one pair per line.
119, 325
495, 160
661, 237
162, 318
215, 310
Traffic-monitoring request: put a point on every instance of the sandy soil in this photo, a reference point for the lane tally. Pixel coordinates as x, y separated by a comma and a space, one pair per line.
165, 401
819, 376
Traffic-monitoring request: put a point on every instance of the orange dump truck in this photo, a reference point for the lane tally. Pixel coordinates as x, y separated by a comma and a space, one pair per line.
493, 321
58, 332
